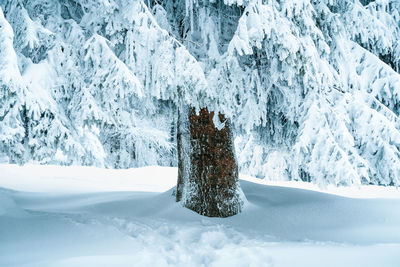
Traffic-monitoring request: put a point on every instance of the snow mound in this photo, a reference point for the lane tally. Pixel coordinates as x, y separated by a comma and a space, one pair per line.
8, 207
65, 217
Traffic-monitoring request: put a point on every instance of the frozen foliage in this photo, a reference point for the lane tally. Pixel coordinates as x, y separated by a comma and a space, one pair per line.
311, 87
11, 130
334, 104
96, 99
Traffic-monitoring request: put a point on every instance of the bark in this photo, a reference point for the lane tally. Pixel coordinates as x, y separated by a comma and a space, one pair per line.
207, 168
179, 184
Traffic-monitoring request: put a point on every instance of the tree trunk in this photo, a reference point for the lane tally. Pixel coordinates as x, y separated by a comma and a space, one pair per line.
179, 184
207, 169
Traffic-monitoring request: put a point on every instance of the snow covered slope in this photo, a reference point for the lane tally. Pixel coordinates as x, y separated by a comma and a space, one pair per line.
80, 216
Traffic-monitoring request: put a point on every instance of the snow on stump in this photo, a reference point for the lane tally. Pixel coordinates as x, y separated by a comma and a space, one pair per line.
208, 173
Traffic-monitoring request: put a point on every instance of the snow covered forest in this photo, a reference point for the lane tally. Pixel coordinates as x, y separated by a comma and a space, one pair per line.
311, 87
171, 111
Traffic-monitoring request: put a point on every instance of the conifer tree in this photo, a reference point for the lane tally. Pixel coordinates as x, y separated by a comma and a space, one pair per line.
310, 88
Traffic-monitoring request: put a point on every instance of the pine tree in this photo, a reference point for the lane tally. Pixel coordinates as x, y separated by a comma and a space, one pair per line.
12, 130
311, 88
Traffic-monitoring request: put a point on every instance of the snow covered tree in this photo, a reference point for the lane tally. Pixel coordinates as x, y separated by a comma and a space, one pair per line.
310, 88
208, 171
280, 77
11, 127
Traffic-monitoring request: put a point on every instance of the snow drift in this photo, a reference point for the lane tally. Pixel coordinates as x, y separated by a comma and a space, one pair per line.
85, 216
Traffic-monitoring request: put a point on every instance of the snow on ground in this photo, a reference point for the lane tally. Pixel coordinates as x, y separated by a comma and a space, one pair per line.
85, 216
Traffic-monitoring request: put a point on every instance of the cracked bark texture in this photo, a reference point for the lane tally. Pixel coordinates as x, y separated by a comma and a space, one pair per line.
207, 168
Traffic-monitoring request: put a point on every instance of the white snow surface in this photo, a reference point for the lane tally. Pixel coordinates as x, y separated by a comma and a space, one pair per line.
86, 216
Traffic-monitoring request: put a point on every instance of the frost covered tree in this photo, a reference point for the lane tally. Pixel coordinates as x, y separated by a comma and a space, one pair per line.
280, 70
79, 107
31, 127
207, 165
11, 130
310, 88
